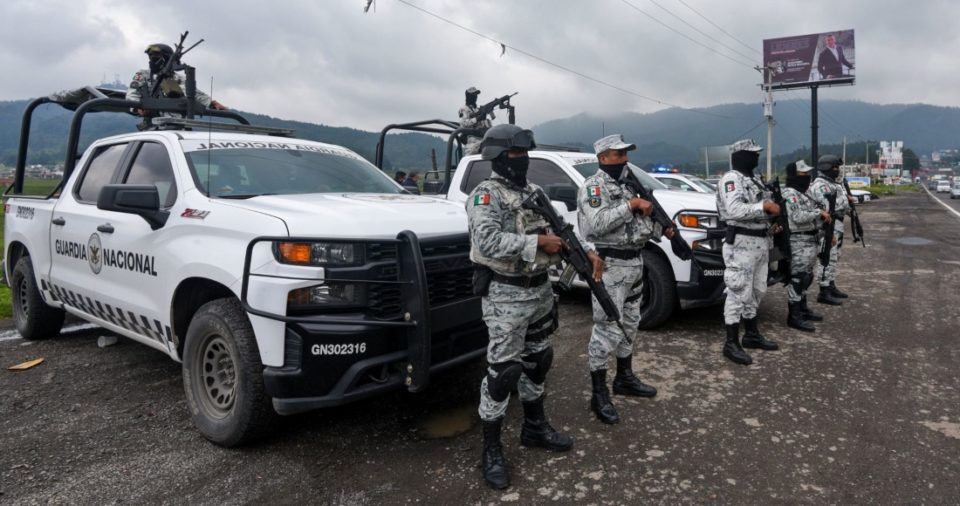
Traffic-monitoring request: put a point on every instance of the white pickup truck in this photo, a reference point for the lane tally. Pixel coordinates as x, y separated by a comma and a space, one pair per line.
669, 281
285, 274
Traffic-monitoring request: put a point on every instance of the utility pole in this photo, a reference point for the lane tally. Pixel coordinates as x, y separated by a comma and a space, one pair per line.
844, 157
768, 113
706, 160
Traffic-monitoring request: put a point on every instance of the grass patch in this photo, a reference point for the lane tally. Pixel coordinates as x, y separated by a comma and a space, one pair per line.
6, 305
891, 189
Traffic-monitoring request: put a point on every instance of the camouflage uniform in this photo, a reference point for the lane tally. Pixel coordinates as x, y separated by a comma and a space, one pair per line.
805, 220
819, 189
740, 203
143, 81
468, 120
606, 220
503, 237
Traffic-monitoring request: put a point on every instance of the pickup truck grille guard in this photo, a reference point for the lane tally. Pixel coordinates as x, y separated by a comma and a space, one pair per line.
400, 294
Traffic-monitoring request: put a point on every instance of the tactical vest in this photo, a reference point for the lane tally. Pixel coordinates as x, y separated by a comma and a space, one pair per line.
516, 220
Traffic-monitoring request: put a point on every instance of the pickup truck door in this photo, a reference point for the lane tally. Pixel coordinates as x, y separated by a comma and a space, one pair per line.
120, 280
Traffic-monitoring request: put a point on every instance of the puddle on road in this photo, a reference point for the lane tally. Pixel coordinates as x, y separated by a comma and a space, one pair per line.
913, 241
449, 423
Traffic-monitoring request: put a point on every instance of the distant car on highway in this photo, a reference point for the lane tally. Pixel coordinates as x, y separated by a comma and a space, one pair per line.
943, 186
863, 195
955, 191
685, 182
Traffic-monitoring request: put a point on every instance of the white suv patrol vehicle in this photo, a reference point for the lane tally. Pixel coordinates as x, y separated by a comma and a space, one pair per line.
284, 274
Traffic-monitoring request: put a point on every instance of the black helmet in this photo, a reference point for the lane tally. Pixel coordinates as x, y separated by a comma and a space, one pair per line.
827, 162
501, 138
159, 55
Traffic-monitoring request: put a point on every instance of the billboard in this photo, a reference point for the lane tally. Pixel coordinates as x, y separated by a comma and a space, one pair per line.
805, 60
858, 181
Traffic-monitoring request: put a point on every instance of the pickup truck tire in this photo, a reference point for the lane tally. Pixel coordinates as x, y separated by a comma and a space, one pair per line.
34, 318
659, 291
223, 375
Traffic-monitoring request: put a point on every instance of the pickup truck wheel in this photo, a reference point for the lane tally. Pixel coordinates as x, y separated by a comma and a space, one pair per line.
659, 291
34, 318
223, 375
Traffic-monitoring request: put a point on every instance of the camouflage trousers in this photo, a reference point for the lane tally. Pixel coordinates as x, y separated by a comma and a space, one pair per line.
745, 275
827, 274
509, 311
803, 259
624, 281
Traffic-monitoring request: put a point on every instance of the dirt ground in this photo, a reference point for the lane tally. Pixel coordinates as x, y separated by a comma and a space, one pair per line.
865, 411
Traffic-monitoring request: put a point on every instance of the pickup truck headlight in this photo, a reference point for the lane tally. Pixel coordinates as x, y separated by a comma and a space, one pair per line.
327, 295
697, 220
318, 253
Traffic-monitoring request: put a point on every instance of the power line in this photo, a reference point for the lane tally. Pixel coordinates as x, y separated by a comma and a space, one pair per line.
718, 27
701, 32
754, 127
691, 39
557, 65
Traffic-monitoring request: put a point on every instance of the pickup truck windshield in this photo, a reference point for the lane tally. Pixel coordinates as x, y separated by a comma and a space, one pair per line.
244, 173
648, 182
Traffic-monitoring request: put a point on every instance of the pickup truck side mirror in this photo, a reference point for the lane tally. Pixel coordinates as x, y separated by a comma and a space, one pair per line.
139, 199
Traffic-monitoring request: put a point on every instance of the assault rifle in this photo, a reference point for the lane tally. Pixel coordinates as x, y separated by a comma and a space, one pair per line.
828, 233
172, 65
782, 240
679, 246
574, 253
855, 225
503, 103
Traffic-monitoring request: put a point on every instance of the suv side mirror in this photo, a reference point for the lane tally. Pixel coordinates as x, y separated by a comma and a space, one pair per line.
140, 199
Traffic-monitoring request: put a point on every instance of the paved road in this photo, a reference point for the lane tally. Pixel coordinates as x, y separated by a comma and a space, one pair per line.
865, 411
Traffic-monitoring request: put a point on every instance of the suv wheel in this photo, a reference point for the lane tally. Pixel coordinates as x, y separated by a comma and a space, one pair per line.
33, 317
223, 375
659, 298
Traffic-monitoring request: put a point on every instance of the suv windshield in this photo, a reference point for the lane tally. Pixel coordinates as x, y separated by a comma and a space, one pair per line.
248, 169
648, 182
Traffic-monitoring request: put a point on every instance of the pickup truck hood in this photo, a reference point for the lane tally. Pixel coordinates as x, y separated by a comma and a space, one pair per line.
674, 201
369, 215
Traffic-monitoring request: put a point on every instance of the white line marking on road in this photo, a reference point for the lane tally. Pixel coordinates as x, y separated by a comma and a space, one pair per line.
942, 203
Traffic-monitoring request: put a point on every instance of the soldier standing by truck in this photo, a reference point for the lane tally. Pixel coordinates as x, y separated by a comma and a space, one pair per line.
745, 205
828, 168
619, 226
512, 249
805, 219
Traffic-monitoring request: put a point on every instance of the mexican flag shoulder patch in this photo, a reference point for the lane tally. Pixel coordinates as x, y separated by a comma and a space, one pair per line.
481, 199
593, 191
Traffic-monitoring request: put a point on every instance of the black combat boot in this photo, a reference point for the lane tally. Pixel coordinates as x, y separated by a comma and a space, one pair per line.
826, 297
537, 432
808, 314
836, 291
732, 348
795, 317
495, 470
625, 383
753, 339
600, 402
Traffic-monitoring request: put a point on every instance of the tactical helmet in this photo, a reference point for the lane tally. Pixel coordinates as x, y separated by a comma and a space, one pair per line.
827, 162
159, 55
501, 138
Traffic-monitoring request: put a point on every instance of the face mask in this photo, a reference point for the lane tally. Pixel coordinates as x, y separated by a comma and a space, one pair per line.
512, 169
613, 170
471, 100
156, 63
745, 161
799, 183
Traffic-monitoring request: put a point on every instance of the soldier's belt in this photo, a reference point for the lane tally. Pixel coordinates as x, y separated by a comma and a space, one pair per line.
805, 232
521, 281
752, 232
622, 254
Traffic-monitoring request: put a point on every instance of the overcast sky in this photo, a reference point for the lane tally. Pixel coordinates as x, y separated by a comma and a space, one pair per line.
325, 61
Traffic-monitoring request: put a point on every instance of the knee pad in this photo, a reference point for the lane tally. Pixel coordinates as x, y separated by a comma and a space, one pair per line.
536, 365
508, 374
